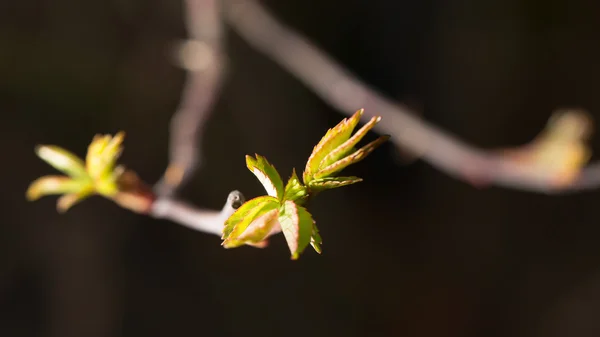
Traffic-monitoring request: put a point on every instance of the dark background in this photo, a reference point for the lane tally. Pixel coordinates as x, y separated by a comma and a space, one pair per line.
408, 252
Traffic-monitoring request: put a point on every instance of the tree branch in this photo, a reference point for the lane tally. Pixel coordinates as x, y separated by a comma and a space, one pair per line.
203, 57
208, 221
345, 92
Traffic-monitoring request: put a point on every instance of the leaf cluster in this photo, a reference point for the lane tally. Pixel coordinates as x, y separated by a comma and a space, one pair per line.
283, 208
97, 175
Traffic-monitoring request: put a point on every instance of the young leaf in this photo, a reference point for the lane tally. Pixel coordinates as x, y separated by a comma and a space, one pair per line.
355, 157
48, 185
67, 201
332, 182
264, 205
103, 153
242, 212
261, 228
297, 227
347, 147
560, 151
267, 175
332, 139
294, 190
315, 240
62, 160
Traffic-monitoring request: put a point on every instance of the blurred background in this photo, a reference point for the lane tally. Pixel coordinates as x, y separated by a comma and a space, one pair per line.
408, 252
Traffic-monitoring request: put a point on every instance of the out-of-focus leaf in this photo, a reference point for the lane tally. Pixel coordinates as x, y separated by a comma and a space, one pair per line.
267, 175
332, 182
353, 158
67, 201
49, 185
103, 152
559, 152
297, 227
294, 190
62, 160
332, 139
347, 147
239, 221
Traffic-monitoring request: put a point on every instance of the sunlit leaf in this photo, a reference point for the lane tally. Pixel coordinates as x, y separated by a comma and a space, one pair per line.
262, 244
315, 240
62, 160
297, 227
267, 175
49, 185
241, 213
240, 220
332, 139
294, 190
67, 201
261, 227
103, 152
559, 152
353, 158
348, 146
332, 182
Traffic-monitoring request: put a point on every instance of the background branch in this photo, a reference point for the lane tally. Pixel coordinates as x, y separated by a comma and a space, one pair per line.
345, 92
203, 57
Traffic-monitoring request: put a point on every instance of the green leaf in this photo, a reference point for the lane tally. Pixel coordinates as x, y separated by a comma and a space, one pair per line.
355, 157
332, 139
242, 213
294, 190
49, 185
315, 240
62, 160
267, 175
103, 152
239, 221
347, 147
261, 227
297, 227
67, 201
332, 182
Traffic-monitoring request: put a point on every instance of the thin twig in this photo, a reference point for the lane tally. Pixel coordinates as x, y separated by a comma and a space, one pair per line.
203, 57
345, 92
204, 220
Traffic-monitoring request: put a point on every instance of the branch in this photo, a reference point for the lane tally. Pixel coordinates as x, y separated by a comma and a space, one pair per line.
203, 57
345, 92
207, 221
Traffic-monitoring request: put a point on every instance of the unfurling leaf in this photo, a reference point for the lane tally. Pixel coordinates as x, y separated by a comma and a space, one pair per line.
267, 175
315, 239
332, 139
332, 182
49, 185
560, 151
294, 190
297, 227
241, 219
67, 201
62, 160
97, 175
353, 158
102, 155
344, 149
261, 227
